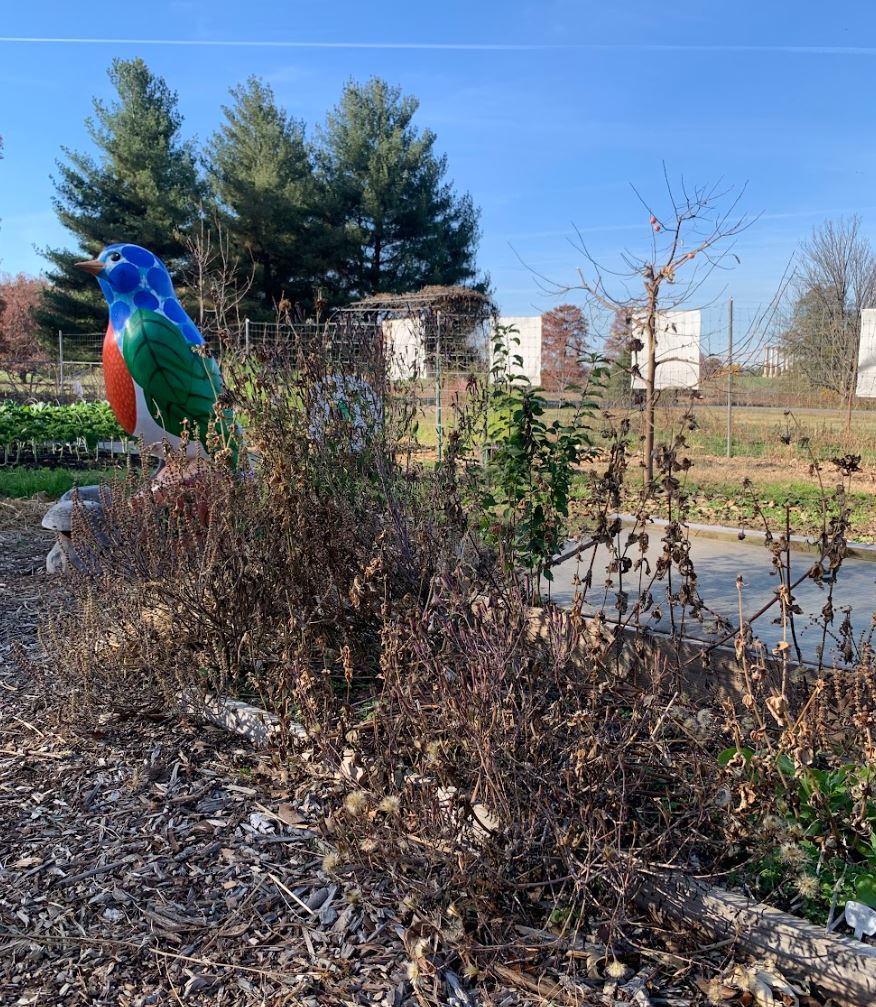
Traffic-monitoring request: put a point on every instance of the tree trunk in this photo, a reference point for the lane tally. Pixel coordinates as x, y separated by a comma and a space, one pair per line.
650, 383
853, 384
376, 264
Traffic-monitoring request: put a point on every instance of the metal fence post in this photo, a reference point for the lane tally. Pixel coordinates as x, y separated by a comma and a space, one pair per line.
60, 362
730, 379
439, 425
246, 336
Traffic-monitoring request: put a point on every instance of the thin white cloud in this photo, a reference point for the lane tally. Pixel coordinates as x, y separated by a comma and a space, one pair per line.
803, 50
572, 230
814, 213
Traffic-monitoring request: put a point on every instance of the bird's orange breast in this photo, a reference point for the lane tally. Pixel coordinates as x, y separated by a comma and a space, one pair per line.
119, 385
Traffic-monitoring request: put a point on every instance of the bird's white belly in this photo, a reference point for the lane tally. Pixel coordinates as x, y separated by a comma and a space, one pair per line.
155, 436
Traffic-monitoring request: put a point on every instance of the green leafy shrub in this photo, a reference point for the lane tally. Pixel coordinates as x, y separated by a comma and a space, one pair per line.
43, 423
818, 846
531, 463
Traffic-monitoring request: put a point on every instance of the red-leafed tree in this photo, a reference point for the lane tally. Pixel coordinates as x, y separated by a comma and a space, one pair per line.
19, 299
563, 344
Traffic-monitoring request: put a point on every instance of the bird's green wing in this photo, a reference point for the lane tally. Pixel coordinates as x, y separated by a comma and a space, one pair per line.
179, 383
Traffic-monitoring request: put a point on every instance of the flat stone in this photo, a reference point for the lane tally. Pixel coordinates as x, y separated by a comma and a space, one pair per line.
56, 561
97, 493
60, 517
62, 556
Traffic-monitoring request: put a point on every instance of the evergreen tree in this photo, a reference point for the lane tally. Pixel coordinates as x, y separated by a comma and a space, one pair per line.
259, 166
397, 224
142, 187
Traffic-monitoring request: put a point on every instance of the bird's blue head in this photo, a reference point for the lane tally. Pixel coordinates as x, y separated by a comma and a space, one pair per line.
132, 277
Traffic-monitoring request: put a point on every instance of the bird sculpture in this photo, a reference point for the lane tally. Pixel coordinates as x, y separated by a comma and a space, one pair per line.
159, 380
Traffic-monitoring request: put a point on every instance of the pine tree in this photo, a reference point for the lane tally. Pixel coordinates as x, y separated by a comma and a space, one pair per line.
397, 223
259, 166
142, 187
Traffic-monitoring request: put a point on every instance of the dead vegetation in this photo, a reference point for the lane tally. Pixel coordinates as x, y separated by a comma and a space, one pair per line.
148, 860
470, 810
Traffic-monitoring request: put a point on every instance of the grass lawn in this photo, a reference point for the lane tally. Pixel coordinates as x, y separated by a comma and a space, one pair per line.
776, 464
757, 431
716, 495
20, 483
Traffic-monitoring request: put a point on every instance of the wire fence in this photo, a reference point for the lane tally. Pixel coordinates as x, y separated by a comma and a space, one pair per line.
436, 357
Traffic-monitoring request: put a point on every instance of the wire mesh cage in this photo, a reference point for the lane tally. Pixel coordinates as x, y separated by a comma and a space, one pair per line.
435, 341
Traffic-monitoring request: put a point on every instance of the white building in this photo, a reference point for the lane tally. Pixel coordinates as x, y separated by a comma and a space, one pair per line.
408, 359
867, 355
405, 347
678, 350
524, 342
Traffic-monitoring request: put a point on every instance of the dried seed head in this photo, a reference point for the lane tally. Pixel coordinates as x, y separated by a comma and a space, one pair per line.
616, 970
390, 804
330, 861
792, 854
355, 802
807, 886
772, 823
723, 797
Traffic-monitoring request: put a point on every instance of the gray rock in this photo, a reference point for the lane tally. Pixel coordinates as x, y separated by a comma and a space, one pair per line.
97, 493
56, 561
60, 517
62, 556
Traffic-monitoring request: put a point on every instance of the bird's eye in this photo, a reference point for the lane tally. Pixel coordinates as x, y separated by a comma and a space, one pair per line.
116, 257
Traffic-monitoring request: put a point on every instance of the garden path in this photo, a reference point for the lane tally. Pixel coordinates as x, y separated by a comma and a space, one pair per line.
718, 563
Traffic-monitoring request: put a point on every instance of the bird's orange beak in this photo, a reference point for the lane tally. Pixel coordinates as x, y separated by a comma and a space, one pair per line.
93, 266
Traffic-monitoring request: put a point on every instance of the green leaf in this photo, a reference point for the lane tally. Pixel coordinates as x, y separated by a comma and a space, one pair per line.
179, 384
865, 889
728, 754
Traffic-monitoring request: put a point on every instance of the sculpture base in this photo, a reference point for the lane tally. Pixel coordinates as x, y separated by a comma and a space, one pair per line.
174, 481
59, 519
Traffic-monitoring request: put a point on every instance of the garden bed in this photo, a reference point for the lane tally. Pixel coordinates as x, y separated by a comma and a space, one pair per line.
837, 965
146, 858
504, 771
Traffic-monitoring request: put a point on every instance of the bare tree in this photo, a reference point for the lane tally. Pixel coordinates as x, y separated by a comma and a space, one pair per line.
834, 281
213, 276
21, 350
689, 239
563, 347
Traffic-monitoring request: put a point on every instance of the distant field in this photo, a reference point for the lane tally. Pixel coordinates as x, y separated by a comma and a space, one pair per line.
779, 472
757, 431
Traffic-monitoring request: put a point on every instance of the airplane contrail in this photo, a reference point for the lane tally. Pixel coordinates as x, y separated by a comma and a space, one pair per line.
802, 50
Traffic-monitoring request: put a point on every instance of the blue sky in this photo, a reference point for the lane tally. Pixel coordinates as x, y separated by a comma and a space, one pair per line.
549, 116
